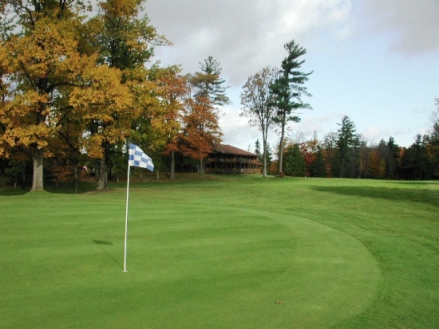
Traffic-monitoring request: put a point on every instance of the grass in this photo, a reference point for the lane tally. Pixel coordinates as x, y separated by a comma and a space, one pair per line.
224, 252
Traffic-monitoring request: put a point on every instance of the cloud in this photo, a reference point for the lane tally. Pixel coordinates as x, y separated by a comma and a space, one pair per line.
374, 134
321, 124
246, 35
237, 131
414, 23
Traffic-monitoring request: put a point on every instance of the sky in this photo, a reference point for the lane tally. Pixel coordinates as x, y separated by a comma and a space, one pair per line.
372, 60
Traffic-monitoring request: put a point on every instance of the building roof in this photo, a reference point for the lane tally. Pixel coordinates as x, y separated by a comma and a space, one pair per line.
228, 149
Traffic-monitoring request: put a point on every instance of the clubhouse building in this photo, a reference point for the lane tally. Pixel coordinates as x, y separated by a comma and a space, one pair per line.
227, 159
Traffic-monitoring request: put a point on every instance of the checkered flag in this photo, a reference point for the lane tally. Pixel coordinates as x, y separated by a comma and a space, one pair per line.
138, 158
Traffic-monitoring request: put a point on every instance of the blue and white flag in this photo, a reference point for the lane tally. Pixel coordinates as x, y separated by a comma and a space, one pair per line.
138, 158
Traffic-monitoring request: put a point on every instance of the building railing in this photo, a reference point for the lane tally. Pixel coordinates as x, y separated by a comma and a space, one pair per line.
233, 160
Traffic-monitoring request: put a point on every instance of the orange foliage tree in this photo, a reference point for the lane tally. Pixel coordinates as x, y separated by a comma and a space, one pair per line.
376, 165
200, 130
173, 88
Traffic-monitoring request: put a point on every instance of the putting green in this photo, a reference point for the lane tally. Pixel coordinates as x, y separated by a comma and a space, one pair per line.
189, 266
319, 276
258, 269
332, 276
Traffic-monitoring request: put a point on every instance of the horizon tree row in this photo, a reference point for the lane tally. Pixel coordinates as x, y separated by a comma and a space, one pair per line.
344, 154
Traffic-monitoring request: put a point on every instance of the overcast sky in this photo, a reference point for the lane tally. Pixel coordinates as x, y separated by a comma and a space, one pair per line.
373, 60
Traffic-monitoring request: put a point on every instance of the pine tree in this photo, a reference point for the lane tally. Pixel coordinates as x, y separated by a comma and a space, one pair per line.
288, 89
209, 84
318, 168
294, 162
258, 150
348, 146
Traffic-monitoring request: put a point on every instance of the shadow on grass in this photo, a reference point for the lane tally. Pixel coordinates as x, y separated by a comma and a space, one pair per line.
417, 195
48, 187
66, 188
102, 243
12, 191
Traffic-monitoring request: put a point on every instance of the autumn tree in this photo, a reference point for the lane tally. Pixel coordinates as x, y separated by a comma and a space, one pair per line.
201, 128
165, 124
171, 94
309, 150
376, 165
5, 71
105, 104
44, 57
258, 105
64, 152
288, 90
125, 41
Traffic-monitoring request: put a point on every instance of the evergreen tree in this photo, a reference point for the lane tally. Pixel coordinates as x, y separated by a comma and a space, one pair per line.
348, 148
414, 161
288, 90
318, 168
433, 143
330, 146
392, 157
209, 84
206, 92
258, 150
269, 156
294, 162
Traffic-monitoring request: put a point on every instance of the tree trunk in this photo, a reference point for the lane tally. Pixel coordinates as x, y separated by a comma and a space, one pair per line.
201, 166
281, 146
23, 174
342, 169
101, 174
38, 174
76, 175
172, 176
264, 156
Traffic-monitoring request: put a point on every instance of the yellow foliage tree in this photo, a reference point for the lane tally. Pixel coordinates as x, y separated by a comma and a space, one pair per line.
125, 44
80, 86
43, 58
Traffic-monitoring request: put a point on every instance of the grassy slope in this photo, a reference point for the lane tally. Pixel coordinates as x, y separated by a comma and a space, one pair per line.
222, 254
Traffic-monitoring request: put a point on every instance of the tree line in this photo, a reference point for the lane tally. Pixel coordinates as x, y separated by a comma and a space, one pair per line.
77, 82
344, 154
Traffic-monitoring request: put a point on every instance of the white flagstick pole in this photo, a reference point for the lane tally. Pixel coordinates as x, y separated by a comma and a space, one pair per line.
126, 220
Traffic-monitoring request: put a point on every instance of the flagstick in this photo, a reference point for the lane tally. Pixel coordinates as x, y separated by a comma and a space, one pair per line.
126, 222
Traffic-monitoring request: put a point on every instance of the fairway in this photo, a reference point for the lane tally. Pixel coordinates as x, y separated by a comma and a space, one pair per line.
232, 252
